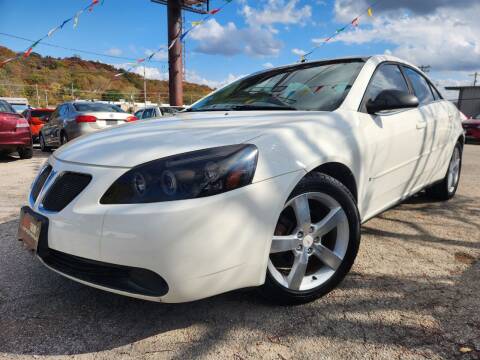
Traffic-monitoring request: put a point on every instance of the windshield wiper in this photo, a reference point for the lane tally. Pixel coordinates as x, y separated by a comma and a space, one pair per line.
260, 107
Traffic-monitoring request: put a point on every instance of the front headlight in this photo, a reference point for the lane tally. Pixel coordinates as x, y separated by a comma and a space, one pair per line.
186, 176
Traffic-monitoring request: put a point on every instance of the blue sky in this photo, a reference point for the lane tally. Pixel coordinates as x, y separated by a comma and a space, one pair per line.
250, 35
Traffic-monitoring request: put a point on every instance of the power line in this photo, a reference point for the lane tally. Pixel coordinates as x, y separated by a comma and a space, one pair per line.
77, 50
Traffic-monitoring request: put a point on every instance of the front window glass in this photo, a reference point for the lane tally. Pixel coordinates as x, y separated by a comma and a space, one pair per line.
96, 107
420, 86
387, 77
320, 87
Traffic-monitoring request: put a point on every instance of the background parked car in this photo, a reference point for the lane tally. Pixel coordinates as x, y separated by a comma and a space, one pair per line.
18, 104
15, 132
73, 119
157, 111
37, 118
472, 128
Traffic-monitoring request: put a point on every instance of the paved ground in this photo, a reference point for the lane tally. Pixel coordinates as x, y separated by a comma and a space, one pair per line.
414, 292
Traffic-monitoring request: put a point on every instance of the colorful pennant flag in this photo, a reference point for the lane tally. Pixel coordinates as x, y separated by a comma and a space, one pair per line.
52, 31
214, 11
75, 19
6, 61
94, 2
196, 23
355, 22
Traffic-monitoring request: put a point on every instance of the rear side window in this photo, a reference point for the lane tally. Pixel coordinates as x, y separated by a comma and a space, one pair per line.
420, 86
139, 114
387, 77
148, 113
6, 107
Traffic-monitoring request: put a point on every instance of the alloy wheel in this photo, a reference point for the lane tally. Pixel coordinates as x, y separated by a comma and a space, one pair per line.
310, 241
453, 170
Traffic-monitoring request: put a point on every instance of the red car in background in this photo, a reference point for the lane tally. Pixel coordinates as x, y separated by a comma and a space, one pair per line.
472, 128
37, 118
15, 135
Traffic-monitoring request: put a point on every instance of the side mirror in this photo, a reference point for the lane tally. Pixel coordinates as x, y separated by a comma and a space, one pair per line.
391, 100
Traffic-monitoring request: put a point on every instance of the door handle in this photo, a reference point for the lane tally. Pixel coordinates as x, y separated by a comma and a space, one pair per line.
421, 125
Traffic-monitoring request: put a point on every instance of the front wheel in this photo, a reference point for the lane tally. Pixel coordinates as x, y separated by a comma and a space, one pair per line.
26, 152
43, 145
446, 189
315, 241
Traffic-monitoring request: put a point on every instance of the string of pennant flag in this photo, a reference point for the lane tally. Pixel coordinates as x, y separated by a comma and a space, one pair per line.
354, 23
179, 37
75, 19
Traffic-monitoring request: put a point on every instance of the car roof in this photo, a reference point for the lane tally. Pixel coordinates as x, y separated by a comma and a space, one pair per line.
373, 58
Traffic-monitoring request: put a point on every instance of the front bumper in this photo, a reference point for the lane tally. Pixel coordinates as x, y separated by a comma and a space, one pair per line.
199, 247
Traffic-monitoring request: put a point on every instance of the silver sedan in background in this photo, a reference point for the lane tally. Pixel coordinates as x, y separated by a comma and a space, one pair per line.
76, 118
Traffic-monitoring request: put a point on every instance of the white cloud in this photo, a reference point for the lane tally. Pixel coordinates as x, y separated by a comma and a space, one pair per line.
214, 38
434, 33
268, 65
277, 12
114, 52
160, 55
298, 52
155, 73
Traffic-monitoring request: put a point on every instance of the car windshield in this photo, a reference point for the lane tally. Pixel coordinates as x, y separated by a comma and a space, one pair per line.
20, 107
477, 117
6, 107
97, 107
42, 114
321, 87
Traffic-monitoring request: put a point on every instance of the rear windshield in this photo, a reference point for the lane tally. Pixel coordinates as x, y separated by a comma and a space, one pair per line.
97, 107
20, 107
42, 114
6, 107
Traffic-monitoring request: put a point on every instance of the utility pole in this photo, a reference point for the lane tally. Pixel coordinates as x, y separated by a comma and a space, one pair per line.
72, 92
46, 98
38, 97
475, 76
144, 87
175, 68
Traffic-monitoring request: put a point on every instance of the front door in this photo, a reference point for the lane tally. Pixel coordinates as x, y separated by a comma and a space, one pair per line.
395, 140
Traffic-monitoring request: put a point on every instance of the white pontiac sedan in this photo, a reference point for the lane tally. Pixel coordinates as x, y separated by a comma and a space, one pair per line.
263, 183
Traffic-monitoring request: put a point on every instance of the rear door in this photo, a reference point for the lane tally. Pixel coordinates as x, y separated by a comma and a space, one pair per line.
435, 118
395, 141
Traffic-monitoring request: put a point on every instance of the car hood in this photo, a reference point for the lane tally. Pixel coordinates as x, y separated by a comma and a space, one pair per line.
136, 143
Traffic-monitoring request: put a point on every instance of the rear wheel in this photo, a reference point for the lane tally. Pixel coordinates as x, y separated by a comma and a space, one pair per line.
26, 152
63, 138
446, 189
315, 241
43, 145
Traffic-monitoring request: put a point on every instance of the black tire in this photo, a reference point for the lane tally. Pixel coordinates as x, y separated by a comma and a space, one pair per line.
441, 190
26, 152
63, 138
43, 146
318, 182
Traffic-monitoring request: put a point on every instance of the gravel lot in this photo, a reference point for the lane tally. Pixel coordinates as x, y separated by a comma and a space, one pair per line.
414, 292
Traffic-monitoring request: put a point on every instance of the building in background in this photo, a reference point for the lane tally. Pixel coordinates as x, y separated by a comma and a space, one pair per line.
468, 99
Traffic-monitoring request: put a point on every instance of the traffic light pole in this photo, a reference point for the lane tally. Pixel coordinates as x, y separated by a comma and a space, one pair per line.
175, 68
